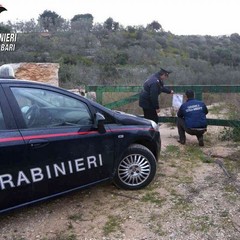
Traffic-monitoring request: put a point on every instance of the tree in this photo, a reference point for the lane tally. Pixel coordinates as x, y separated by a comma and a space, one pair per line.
235, 37
155, 26
82, 22
108, 24
50, 21
5, 29
111, 25
86, 16
26, 26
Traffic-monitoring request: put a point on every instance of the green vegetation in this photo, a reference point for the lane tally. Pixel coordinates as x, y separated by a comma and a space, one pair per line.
112, 225
109, 53
153, 197
201, 223
193, 153
230, 133
216, 109
172, 150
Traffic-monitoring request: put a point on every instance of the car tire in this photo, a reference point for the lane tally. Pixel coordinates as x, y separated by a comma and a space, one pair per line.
136, 169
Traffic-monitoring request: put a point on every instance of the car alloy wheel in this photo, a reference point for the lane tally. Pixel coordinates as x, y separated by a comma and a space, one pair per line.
136, 169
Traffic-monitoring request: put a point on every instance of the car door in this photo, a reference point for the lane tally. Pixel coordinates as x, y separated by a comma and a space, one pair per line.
14, 190
64, 150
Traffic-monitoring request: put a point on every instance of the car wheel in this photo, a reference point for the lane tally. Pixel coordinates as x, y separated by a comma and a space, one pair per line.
136, 169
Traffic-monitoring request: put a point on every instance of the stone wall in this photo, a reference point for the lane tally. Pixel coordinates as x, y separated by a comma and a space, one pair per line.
40, 72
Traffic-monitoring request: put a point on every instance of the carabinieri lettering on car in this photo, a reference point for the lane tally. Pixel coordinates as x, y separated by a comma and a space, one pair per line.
37, 174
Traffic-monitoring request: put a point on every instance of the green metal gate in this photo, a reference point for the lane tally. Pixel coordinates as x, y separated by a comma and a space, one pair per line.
198, 89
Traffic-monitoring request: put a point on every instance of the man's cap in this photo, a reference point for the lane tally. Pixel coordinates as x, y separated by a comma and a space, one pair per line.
165, 71
2, 8
189, 93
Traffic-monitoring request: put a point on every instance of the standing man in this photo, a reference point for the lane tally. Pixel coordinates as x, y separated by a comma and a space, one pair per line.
192, 118
152, 87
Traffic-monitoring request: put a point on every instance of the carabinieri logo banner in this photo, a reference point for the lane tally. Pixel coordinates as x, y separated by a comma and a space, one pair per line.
8, 42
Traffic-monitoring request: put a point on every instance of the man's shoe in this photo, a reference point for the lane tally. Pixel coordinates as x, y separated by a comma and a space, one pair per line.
200, 141
182, 142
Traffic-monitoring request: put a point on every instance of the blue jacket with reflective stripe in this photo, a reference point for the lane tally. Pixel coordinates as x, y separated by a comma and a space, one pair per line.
194, 113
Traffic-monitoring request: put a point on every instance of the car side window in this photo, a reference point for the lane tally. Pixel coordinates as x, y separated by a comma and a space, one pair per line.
2, 122
44, 108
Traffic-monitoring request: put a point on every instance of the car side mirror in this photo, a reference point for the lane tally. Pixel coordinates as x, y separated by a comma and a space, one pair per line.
99, 122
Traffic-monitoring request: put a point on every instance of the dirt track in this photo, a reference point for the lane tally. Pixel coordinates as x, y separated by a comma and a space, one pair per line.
191, 198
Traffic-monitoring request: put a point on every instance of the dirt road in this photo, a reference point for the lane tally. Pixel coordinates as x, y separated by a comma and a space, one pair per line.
191, 198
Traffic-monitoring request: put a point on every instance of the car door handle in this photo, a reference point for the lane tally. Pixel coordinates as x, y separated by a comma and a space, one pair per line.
38, 143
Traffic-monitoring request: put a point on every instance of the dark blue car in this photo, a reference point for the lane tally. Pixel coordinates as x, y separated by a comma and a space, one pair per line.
53, 141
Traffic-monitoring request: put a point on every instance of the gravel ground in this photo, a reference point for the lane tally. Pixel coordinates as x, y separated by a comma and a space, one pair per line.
192, 197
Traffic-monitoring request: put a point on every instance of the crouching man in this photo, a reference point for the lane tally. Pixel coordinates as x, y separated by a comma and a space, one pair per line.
192, 118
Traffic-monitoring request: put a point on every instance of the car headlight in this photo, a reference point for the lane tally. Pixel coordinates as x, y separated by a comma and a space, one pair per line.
155, 126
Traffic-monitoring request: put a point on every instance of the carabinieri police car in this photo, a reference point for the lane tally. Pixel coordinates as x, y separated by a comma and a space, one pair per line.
53, 142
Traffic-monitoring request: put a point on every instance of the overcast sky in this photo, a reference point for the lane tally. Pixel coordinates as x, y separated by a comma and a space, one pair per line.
180, 17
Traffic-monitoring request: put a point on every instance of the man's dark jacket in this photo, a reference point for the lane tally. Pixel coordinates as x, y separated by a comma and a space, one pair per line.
194, 113
152, 87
